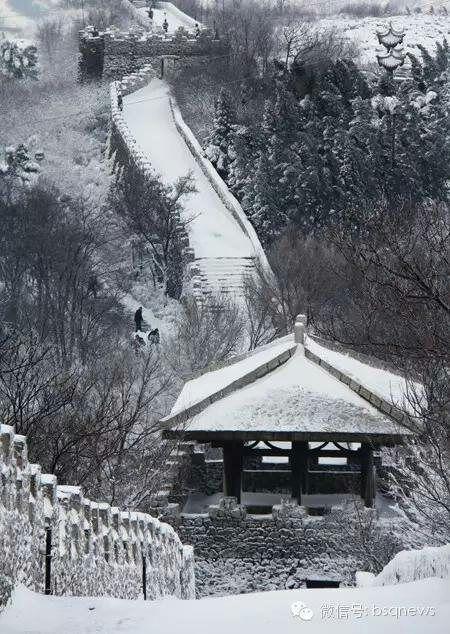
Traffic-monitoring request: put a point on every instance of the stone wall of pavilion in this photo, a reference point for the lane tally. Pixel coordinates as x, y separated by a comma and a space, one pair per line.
231, 532
267, 552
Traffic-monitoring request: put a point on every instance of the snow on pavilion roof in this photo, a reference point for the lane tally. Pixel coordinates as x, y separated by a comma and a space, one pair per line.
202, 387
300, 396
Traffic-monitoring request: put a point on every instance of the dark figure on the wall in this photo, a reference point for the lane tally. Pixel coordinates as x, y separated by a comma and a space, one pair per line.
138, 319
165, 25
153, 336
150, 13
120, 101
197, 29
93, 286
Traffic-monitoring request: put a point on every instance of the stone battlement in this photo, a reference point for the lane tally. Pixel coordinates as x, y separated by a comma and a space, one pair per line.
96, 549
118, 53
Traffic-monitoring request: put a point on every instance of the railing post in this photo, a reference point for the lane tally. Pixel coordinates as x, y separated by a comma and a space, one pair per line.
48, 560
144, 576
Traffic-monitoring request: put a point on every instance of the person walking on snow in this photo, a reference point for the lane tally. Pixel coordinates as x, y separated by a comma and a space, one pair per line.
165, 25
138, 319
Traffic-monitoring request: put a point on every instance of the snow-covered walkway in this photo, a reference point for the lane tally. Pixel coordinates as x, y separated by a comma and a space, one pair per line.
224, 253
412, 608
175, 17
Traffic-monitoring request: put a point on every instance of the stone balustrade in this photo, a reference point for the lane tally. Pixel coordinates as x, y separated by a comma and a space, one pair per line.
97, 549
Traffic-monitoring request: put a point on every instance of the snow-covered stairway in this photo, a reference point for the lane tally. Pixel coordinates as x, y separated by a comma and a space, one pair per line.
171, 487
229, 275
225, 247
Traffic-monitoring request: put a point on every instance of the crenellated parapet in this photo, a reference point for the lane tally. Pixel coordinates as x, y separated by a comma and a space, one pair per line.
96, 549
124, 148
116, 53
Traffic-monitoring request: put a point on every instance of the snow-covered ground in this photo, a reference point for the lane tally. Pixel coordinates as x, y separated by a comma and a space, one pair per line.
419, 29
412, 608
221, 247
416, 564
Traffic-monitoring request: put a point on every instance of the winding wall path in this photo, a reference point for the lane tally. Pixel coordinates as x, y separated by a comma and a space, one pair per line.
225, 246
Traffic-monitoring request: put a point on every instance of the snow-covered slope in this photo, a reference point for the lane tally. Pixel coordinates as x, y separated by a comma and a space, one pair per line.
224, 253
419, 29
415, 608
175, 17
412, 565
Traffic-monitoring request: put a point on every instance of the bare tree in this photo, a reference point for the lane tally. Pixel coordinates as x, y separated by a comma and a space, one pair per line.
152, 212
261, 310
396, 308
248, 28
50, 33
306, 279
372, 543
55, 280
94, 425
32, 385
207, 335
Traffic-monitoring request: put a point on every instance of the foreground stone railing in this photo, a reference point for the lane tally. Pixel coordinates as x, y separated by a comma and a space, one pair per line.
52, 538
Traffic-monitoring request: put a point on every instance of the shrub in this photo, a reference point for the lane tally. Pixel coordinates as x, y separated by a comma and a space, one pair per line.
6, 587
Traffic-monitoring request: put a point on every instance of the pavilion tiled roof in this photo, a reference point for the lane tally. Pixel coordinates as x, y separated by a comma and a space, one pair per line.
292, 391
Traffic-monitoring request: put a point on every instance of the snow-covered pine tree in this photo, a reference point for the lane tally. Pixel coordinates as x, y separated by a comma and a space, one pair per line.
275, 177
219, 142
18, 60
429, 72
18, 163
266, 214
244, 151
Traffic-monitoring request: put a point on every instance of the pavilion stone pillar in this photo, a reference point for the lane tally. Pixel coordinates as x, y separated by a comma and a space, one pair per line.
232, 469
367, 475
299, 469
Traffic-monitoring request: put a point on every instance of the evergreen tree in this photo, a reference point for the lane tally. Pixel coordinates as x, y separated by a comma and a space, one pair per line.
319, 156
219, 142
442, 55
274, 191
246, 145
19, 164
18, 61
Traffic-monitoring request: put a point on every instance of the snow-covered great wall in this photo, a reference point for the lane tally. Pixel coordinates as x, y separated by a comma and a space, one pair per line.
221, 248
96, 549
